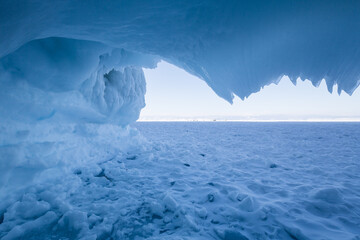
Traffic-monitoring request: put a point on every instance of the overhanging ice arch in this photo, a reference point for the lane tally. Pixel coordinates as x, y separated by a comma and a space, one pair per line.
235, 46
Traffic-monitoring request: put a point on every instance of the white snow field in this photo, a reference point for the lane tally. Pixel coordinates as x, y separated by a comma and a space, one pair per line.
72, 81
204, 181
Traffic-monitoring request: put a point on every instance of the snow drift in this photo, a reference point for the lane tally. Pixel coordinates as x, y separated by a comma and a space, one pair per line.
67, 64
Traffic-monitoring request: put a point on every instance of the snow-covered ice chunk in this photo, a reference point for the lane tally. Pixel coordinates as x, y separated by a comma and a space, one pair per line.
329, 195
28, 208
73, 221
170, 203
40, 224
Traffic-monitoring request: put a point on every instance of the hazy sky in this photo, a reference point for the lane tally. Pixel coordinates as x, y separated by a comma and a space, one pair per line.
174, 94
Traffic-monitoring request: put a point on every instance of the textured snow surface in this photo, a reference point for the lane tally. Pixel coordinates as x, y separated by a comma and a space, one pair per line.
203, 181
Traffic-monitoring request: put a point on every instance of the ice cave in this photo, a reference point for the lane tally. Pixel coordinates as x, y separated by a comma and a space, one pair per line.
73, 164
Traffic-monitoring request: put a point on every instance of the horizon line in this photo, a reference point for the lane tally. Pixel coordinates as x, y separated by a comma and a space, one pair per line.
249, 120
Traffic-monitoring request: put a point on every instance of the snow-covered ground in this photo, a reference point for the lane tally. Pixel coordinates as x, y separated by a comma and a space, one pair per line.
197, 180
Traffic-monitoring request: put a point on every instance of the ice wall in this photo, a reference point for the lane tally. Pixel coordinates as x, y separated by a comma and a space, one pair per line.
72, 81
66, 102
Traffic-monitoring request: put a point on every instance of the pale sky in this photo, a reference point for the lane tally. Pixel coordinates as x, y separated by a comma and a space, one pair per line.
173, 94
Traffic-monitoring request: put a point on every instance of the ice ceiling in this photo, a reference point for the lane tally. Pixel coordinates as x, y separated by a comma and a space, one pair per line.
235, 46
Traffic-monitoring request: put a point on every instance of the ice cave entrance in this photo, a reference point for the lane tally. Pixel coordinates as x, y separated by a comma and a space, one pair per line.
175, 95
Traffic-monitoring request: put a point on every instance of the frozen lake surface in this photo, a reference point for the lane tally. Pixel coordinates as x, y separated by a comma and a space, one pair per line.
206, 180
263, 180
